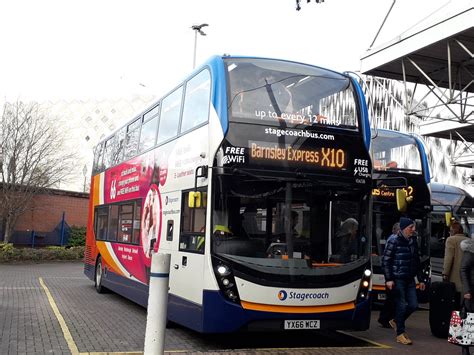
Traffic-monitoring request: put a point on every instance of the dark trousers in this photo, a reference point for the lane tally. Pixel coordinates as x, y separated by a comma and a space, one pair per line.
404, 295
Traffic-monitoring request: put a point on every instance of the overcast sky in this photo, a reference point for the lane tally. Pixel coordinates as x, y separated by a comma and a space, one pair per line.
106, 48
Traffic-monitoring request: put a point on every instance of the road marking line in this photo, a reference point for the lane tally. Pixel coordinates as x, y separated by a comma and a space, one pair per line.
115, 353
67, 334
378, 345
19, 288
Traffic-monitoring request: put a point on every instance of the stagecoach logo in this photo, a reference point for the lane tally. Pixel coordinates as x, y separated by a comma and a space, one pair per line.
302, 296
282, 295
113, 189
233, 155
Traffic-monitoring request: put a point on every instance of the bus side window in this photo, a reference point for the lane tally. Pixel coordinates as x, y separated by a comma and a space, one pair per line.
170, 114
118, 150
113, 223
148, 130
125, 223
136, 222
131, 139
107, 158
193, 225
97, 166
196, 101
102, 221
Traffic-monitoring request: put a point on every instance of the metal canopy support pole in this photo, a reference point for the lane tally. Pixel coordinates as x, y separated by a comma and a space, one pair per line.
406, 89
450, 78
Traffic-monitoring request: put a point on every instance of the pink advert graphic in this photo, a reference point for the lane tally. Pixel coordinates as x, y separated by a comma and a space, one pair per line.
138, 178
151, 222
127, 181
129, 256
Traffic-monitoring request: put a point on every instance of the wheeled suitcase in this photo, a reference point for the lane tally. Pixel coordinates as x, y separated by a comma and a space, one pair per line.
442, 303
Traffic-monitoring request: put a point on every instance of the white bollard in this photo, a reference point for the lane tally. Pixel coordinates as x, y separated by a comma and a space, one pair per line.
157, 304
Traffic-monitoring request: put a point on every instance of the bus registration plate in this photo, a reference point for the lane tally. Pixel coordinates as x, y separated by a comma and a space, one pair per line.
381, 297
302, 324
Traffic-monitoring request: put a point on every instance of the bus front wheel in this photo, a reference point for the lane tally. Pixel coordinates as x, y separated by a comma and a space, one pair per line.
99, 274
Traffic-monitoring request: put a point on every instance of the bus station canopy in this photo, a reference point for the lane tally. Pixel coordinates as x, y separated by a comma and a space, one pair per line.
438, 54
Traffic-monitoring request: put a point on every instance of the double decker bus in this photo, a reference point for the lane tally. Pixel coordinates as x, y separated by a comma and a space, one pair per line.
399, 163
447, 202
254, 174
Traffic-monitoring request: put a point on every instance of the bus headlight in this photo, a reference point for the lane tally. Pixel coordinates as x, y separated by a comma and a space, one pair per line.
364, 285
225, 280
223, 270
232, 295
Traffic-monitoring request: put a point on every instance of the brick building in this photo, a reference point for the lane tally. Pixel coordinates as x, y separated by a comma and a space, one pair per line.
42, 223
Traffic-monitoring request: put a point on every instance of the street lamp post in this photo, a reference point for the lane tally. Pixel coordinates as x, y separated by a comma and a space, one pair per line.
197, 28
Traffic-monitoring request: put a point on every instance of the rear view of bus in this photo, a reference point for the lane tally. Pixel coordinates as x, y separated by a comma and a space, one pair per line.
290, 193
399, 162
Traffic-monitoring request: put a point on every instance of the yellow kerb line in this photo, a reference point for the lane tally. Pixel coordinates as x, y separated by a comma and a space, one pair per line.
75, 351
378, 345
67, 334
114, 353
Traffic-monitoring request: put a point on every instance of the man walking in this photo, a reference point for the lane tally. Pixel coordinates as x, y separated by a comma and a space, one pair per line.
401, 263
387, 313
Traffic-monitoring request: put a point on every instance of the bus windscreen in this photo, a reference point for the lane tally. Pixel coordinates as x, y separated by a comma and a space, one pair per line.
290, 95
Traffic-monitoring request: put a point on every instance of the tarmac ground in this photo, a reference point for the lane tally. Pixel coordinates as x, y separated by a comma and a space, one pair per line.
52, 308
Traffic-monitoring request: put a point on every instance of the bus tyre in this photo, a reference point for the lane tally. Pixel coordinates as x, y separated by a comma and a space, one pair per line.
170, 324
99, 274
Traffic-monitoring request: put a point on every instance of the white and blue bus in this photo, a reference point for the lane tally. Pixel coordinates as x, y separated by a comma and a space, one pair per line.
399, 162
255, 175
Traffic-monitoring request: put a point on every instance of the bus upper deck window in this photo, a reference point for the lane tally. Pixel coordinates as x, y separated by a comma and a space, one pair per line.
170, 113
196, 101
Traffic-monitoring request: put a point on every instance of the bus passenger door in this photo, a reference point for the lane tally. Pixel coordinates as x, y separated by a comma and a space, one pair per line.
187, 262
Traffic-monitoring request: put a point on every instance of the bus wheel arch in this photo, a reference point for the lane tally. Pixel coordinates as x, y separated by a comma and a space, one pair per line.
99, 275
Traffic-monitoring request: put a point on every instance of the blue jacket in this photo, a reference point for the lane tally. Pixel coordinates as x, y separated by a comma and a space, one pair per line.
401, 259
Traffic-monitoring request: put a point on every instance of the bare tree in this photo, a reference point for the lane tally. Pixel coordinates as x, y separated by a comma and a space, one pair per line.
32, 159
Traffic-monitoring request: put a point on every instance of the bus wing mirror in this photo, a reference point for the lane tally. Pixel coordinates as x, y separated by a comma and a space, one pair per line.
401, 197
448, 216
194, 199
